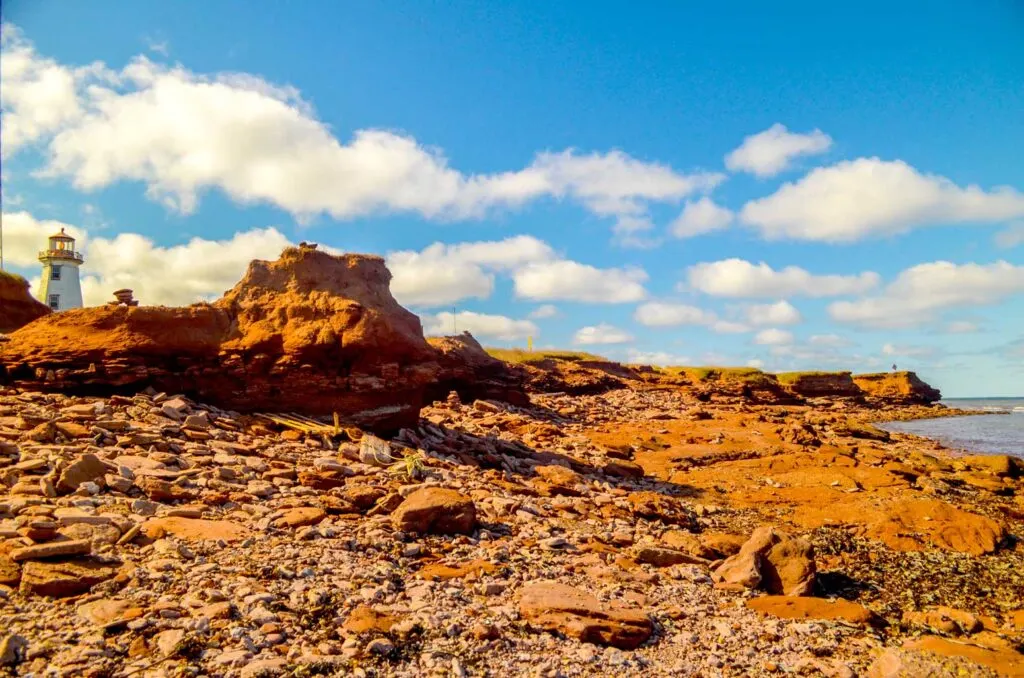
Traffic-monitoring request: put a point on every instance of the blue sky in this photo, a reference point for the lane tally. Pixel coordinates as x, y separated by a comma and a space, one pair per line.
798, 187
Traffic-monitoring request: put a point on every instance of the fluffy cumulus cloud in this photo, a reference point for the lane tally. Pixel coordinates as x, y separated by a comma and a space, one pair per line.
699, 217
772, 151
181, 133
1011, 236
866, 197
601, 334
479, 325
739, 278
779, 313
444, 274
564, 280
921, 293
907, 351
773, 337
177, 275
668, 314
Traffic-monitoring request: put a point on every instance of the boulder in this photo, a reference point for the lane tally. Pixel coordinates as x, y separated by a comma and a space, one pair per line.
435, 510
310, 332
17, 305
770, 560
557, 607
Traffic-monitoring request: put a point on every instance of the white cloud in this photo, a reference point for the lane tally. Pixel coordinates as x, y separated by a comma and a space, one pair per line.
543, 312
769, 152
443, 274
666, 314
661, 358
177, 275
479, 325
572, 281
1011, 236
601, 334
773, 337
756, 363
38, 96
700, 217
858, 198
779, 313
740, 278
922, 292
181, 133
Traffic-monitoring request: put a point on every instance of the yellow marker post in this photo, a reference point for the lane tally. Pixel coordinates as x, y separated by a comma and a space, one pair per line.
529, 344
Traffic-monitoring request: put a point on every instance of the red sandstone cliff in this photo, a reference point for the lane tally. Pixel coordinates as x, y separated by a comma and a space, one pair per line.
309, 332
820, 384
17, 306
897, 387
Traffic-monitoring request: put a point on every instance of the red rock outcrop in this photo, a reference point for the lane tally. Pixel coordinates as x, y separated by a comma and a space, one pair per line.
467, 369
310, 332
17, 306
904, 388
821, 384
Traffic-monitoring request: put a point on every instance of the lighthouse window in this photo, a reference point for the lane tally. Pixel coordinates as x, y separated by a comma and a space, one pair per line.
55, 272
55, 302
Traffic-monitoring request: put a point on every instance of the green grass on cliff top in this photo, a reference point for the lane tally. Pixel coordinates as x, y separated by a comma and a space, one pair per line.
793, 377
519, 356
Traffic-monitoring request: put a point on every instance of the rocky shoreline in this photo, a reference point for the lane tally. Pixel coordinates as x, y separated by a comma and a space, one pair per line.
456, 514
575, 536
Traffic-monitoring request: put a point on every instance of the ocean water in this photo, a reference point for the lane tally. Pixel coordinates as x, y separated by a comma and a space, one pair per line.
1001, 433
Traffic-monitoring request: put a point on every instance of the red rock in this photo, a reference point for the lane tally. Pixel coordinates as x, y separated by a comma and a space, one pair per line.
773, 561
790, 607
435, 510
364, 619
300, 517
557, 607
897, 388
935, 656
194, 528
66, 578
87, 468
17, 305
310, 332
467, 369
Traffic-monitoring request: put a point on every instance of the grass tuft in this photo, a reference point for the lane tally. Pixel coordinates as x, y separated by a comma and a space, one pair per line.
519, 356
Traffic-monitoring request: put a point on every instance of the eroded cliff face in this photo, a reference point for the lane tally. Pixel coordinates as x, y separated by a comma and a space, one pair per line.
310, 332
17, 305
821, 385
897, 388
469, 371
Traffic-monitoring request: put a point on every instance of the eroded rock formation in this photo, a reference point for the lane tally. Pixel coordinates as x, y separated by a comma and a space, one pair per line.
468, 370
17, 306
897, 387
310, 332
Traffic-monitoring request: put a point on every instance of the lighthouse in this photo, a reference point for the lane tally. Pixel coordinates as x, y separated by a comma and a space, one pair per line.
61, 288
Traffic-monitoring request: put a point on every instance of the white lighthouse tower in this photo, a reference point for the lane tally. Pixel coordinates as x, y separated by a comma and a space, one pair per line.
61, 288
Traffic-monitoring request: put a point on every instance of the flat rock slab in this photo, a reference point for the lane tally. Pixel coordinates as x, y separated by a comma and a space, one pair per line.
66, 578
194, 528
73, 547
300, 517
557, 607
941, 658
108, 612
804, 607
